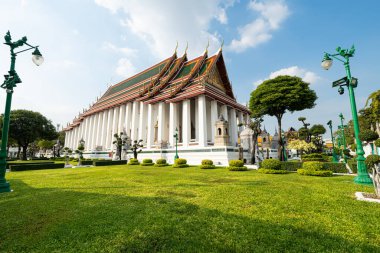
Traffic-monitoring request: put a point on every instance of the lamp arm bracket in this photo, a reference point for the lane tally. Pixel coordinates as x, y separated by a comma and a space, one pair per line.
335, 57
31, 47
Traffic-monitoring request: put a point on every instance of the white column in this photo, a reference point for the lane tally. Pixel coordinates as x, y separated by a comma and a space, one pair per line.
161, 122
75, 136
134, 122
173, 122
81, 130
142, 122
196, 120
150, 134
128, 118
121, 125
224, 112
99, 129
91, 133
214, 118
68, 139
108, 130
202, 124
103, 132
94, 131
115, 123
240, 117
85, 123
233, 127
186, 128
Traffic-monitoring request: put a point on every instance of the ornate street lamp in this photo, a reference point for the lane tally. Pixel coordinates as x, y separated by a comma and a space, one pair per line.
341, 127
176, 144
332, 140
11, 80
344, 56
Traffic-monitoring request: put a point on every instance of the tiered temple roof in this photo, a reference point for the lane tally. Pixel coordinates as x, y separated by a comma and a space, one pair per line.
171, 80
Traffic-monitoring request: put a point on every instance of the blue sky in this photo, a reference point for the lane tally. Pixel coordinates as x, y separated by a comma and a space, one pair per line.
90, 44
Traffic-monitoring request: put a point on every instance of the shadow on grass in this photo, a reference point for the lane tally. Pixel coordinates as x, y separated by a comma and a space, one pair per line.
46, 220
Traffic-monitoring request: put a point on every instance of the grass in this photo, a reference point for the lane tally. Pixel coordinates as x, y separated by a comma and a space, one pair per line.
149, 209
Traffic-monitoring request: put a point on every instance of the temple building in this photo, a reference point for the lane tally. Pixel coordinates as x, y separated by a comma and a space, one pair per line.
193, 96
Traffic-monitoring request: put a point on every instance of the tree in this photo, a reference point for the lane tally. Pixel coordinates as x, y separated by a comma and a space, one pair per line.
26, 127
45, 144
256, 127
304, 131
374, 108
119, 142
368, 136
316, 131
276, 96
301, 145
135, 148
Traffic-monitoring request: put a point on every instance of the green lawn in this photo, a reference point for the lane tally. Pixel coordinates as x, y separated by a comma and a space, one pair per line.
148, 209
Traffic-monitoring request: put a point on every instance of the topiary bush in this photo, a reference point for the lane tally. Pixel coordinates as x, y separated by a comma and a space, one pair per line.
207, 164
377, 143
312, 166
314, 169
180, 163
371, 161
271, 164
316, 157
161, 163
147, 162
133, 161
236, 165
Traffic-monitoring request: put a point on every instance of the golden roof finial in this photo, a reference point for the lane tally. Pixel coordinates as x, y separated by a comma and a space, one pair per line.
176, 47
208, 44
187, 46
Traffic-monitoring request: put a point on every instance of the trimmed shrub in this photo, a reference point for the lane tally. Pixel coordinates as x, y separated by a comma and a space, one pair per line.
314, 157
312, 166
268, 171
207, 164
271, 164
108, 162
180, 163
87, 162
236, 165
314, 169
147, 162
319, 173
370, 161
161, 163
377, 143
335, 167
291, 166
133, 161
36, 166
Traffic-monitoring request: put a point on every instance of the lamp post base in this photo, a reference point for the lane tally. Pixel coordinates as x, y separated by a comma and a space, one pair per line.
363, 179
5, 187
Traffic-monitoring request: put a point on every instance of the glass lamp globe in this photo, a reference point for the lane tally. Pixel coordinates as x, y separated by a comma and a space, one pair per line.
37, 57
326, 62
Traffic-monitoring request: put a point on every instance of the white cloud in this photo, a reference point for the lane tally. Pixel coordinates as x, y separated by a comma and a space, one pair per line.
270, 16
161, 23
125, 68
307, 76
125, 50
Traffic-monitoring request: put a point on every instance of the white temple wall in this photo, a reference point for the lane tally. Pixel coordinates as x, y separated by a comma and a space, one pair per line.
142, 134
202, 120
99, 129
186, 127
115, 123
214, 117
135, 120
103, 131
208, 120
173, 123
128, 118
121, 125
108, 130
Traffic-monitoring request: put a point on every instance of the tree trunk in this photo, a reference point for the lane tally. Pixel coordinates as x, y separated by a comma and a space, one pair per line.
280, 147
18, 151
24, 148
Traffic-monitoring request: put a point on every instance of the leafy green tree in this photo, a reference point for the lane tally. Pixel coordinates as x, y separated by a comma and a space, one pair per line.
304, 131
255, 125
45, 144
276, 96
374, 108
26, 127
316, 131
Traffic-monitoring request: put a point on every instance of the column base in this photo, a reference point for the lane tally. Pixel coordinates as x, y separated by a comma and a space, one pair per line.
363, 179
5, 187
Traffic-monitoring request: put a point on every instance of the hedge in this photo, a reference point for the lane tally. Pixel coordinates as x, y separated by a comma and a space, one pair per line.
271, 164
353, 165
319, 173
233, 168
109, 162
27, 163
207, 166
335, 167
312, 166
269, 171
87, 162
291, 166
38, 166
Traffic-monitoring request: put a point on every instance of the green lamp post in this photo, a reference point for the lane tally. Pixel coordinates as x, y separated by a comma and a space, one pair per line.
11, 81
344, 56
176, 144
341, 127
332, 140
